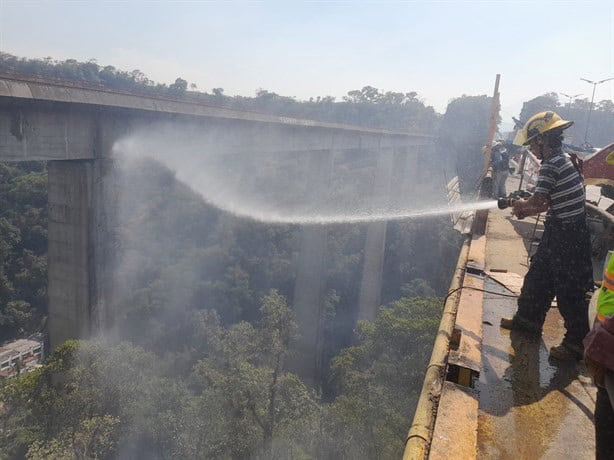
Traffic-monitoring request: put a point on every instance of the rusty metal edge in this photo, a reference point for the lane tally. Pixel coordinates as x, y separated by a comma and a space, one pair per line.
421, 431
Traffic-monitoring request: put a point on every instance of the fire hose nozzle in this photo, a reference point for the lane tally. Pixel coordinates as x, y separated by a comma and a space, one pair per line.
503, 203
508, 201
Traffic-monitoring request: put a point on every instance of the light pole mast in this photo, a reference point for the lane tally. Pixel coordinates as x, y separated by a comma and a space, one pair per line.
590, 109
569, 103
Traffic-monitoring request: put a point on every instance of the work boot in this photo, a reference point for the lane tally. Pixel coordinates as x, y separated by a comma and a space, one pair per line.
567, 352
517, 323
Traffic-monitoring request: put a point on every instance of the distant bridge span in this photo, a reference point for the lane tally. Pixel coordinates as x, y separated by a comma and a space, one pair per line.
53, 122
74, 128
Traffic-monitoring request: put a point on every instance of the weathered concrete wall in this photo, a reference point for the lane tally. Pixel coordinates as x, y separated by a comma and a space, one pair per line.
68, 134
69, 254
373, 259
309, 285
78, 259
103, 243
46, 132
42, 133
53, 123
30, 93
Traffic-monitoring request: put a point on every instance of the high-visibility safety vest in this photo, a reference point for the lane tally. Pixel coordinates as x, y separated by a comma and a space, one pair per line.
605, 301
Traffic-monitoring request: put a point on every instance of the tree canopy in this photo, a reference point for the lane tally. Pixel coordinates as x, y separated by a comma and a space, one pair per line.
23, 248
600, 126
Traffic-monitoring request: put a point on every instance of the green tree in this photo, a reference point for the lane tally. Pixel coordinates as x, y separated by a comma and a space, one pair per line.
244, 374
94, 439
92, 399
463, 132
549, 101
179, 87
23, 248
417, 288
379, 379
606, 106
601, 122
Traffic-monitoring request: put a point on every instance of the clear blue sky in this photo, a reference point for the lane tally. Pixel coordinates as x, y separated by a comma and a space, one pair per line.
441, 49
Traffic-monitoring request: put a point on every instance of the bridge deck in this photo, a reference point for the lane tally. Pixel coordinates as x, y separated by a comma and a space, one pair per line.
23, 88
528, 407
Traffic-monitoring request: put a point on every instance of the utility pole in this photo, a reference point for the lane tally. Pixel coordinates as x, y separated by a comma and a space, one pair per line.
569, 103
494, 114
590, 108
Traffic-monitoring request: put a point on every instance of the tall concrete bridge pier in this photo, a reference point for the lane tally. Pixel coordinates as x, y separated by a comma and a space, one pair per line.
74, 129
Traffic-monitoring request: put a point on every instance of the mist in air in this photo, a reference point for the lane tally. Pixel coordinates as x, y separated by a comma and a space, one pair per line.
298, 187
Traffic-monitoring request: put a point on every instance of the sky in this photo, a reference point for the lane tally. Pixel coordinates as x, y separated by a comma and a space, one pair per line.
440, 49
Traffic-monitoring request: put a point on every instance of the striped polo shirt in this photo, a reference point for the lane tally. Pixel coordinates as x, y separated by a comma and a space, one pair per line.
560, 180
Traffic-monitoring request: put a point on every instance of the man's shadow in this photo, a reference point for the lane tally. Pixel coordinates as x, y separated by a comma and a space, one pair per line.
533, 374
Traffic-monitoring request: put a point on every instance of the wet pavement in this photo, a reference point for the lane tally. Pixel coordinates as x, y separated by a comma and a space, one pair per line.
529, 407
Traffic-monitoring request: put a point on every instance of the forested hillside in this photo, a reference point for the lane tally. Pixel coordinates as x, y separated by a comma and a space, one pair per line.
195, 365
601, 129
119, 401
23, 248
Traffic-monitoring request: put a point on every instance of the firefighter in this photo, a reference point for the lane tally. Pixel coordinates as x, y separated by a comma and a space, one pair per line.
561, 266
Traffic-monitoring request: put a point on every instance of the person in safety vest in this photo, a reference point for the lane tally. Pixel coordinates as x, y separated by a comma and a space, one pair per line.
599, 358
561, 266
500, 167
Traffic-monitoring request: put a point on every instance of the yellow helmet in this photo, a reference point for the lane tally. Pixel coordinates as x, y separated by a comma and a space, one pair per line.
538, 125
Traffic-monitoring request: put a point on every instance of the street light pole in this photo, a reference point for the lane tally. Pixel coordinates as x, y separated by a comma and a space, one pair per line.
590, 109
569, 103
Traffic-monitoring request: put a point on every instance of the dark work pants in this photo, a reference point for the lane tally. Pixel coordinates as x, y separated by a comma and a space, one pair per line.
499, 184
561, 267
604, 426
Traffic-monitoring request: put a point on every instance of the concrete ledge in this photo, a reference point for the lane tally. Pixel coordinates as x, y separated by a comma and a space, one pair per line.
456, 426
455, 433
468, 326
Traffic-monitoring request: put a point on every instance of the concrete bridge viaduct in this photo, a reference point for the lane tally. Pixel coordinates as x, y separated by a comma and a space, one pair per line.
73, 128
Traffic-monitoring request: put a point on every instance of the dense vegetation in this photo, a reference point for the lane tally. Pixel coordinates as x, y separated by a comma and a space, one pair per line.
196, 364
23, 248
93, 400
601, 129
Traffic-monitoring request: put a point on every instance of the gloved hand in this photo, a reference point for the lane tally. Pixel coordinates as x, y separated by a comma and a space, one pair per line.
518, 209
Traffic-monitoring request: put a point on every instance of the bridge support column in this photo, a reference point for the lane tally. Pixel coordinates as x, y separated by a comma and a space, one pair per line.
309, 284
373, 259
412, 179
78, 259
